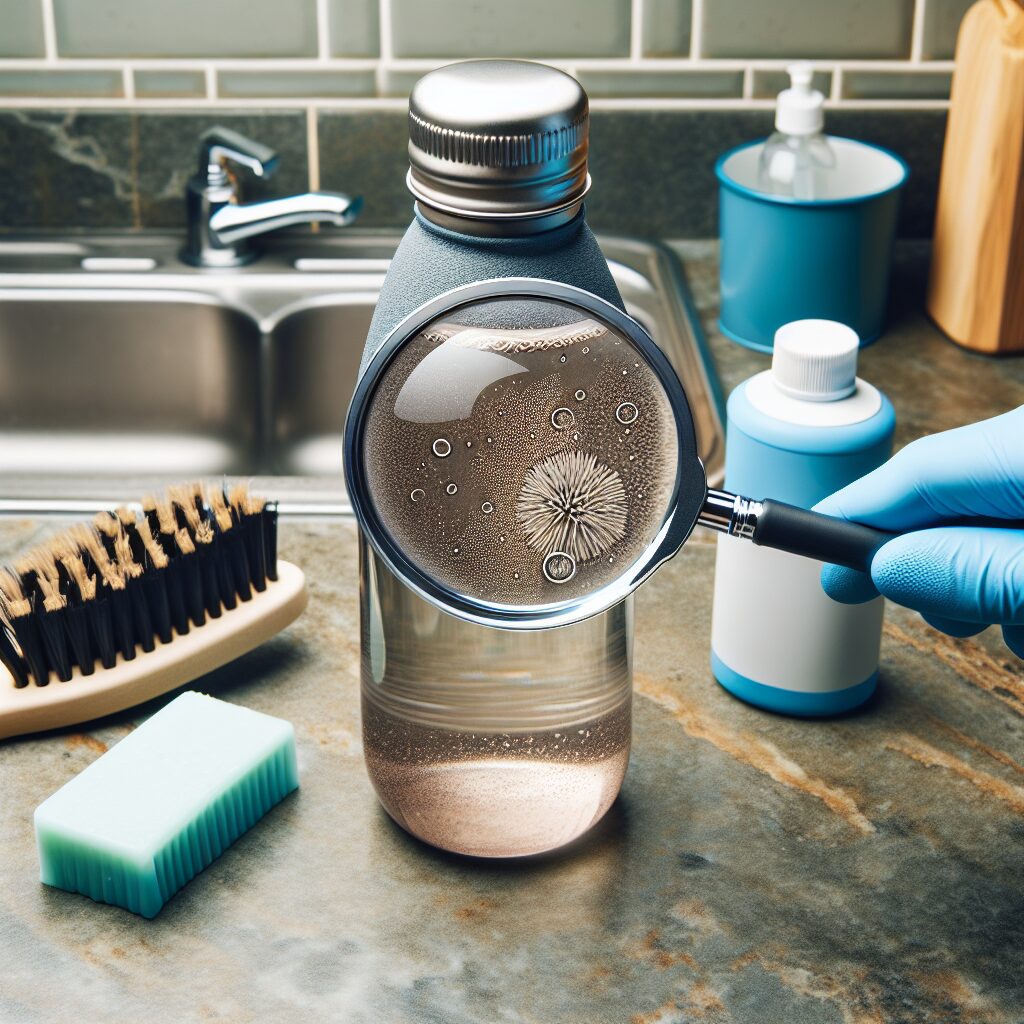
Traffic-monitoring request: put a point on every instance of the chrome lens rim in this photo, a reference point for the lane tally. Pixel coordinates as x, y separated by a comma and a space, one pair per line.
684, 506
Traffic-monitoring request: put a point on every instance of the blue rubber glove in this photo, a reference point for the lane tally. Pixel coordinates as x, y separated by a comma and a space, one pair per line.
960, 578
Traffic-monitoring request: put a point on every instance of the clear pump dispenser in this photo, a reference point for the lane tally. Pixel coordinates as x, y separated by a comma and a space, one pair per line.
797, 158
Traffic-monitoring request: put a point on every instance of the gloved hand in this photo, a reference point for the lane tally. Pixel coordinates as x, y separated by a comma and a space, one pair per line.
961, 578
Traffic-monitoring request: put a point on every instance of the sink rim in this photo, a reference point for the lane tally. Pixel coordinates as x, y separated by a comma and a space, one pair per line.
271, 291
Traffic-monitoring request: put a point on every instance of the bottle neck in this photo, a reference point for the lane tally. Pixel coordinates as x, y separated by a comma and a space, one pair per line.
538, 238
505, 227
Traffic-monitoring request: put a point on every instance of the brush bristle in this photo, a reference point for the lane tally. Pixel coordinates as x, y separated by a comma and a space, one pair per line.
103, 590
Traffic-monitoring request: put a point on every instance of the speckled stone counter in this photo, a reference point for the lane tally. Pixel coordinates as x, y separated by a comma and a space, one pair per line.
755, 868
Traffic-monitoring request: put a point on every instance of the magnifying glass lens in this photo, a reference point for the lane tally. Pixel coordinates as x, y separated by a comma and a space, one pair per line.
520, 451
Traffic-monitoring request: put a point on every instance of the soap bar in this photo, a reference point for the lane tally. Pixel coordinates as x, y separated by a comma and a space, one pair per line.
152, 812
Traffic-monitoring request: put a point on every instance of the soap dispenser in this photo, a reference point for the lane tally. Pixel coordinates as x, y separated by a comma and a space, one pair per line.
797, 158
800, 431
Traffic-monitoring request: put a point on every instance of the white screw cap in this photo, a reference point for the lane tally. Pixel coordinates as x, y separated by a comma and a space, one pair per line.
815, 360
800, 109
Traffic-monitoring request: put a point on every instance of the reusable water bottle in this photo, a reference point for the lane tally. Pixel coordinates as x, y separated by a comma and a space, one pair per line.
477, 739
799, 431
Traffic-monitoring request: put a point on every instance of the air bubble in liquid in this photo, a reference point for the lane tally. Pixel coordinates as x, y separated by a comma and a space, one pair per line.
586, 349
559, 567
487, 508
442, 448
416, 494
452, 488
627, 412
580, 395
562, 419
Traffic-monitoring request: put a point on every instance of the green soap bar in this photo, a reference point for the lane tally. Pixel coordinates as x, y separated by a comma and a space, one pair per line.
152, 812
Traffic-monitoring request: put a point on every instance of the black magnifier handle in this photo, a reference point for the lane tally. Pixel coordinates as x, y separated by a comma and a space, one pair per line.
774, 524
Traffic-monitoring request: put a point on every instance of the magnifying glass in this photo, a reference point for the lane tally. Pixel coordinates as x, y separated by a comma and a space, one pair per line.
521, 454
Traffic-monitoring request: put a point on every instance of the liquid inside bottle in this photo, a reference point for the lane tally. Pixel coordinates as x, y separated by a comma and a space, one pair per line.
484, 741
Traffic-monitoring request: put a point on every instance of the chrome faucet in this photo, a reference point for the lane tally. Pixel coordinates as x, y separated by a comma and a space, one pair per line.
219, 226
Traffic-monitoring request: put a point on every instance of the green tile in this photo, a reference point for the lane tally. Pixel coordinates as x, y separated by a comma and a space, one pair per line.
395, 82
21, 29
896, 85
941, 23
703, 84
155, 84
794, 28
768, 83
366, 153
240, 84
68, 84
666, 28
353, 29
185, 28
129, 168
497, 28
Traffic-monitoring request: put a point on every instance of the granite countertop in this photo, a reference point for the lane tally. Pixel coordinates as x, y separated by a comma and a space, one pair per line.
755, 869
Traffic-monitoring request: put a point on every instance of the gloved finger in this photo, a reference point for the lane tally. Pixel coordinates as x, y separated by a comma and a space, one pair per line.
1014, 637
847, 586
973, 471
955, 627
969, 573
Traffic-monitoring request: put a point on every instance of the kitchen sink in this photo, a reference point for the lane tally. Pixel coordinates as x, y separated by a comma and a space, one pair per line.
121, 368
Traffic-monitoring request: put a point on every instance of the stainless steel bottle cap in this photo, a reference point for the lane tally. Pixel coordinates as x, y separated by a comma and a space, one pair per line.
498, 140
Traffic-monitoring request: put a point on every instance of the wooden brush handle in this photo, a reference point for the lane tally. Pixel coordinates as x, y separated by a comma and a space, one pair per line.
204, 648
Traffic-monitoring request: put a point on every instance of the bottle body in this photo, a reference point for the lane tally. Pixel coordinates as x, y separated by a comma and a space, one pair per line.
483, 741
796, 165
797, 651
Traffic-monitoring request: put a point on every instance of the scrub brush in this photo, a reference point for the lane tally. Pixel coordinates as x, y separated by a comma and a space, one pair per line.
107, 615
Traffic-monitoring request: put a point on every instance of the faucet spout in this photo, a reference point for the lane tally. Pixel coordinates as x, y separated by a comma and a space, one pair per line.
232, 222
219, 226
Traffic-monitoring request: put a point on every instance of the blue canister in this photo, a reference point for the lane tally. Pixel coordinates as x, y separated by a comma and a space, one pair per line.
798, 432
785, 259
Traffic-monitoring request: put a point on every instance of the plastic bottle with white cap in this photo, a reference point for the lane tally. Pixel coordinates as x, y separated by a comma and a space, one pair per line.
798, 432
797, 158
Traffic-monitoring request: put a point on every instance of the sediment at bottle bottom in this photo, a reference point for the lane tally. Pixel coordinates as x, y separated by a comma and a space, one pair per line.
495, 794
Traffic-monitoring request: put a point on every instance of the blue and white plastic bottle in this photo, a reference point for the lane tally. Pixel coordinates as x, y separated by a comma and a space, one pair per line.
798, 432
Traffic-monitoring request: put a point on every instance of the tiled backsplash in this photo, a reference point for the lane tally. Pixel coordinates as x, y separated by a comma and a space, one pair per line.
221, 51
655, 70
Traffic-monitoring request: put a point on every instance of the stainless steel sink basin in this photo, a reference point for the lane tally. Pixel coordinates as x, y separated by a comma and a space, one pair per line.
122, 368
95, 383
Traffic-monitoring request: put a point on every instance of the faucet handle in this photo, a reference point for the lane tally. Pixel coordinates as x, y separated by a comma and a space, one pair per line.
220, 143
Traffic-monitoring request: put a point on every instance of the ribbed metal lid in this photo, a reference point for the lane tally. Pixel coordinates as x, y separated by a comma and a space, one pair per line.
498, 139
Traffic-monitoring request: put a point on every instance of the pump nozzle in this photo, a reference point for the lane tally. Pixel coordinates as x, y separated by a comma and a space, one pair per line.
800, 108
800, 75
